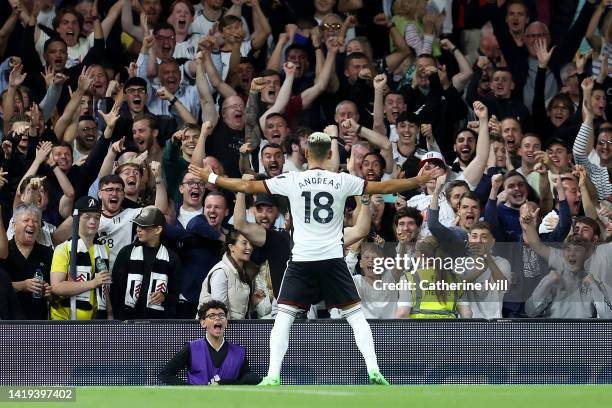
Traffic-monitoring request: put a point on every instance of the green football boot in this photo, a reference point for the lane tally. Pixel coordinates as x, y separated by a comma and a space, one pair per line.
377, 378
271, 381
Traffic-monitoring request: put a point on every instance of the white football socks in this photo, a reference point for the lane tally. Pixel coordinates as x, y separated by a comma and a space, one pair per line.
363, 336
279, 338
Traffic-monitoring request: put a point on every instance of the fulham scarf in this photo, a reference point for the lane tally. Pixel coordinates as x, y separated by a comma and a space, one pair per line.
158, 281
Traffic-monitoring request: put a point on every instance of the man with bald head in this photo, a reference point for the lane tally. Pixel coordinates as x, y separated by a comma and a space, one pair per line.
228, 135
519, 51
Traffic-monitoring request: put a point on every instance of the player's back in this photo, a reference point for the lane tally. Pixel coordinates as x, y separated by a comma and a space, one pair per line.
316, 198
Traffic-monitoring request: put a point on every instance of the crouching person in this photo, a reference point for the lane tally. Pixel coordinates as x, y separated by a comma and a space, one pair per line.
210, 360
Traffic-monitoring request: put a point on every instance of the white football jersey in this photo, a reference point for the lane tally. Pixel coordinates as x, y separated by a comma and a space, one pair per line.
116, 232
316, 198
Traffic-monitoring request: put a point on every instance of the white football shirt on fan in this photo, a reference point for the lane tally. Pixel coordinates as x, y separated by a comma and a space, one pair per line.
116, 232
317, 199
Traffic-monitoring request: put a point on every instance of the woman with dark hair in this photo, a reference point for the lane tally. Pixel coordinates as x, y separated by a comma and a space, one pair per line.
231, 280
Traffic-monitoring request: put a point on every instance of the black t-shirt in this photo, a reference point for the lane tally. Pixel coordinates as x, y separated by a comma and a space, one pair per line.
277, 251
9, 304
127, 203
20, 268
224, 144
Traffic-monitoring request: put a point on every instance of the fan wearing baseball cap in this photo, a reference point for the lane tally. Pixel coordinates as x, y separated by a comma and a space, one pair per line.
83, 286
146, 274
471, 175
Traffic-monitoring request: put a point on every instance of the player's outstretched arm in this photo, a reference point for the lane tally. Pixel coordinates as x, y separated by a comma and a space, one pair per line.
232, 184
362, 227
398, 185
254, 232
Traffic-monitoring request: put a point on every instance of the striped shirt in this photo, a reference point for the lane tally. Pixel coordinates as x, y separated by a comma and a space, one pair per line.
599, 175
421, 43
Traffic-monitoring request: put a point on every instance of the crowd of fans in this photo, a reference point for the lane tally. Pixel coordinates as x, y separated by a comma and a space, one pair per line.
105, 104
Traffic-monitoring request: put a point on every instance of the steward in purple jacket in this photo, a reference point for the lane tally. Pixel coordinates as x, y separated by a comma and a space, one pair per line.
210, 360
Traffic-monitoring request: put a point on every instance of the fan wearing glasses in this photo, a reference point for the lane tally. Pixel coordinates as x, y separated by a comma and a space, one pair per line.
210, 360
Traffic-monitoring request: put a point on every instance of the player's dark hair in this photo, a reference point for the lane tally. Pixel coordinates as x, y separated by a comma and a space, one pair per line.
409, 212
211, 304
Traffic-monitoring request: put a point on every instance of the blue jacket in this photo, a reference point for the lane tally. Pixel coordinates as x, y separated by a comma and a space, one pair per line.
199, 249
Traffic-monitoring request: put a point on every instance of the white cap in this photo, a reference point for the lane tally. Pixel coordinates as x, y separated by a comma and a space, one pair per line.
432, 156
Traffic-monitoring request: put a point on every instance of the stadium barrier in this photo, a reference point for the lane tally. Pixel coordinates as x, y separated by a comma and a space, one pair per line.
320, 352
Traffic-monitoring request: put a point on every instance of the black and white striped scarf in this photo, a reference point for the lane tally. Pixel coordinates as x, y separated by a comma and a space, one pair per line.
158, 280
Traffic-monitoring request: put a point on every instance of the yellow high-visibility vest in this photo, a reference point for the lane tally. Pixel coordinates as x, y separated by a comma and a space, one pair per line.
425, 303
